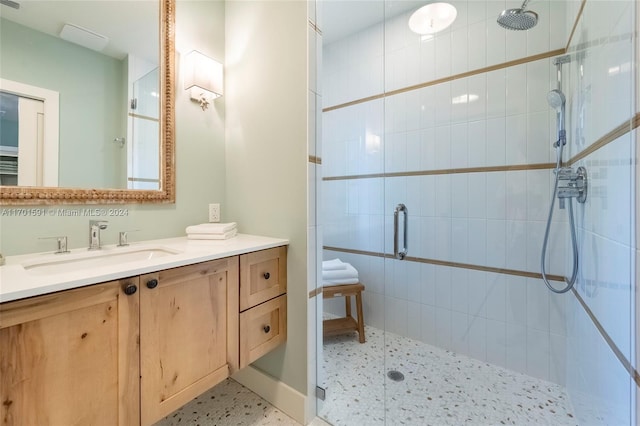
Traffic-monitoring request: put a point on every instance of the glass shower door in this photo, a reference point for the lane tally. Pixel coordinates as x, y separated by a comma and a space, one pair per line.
352, 211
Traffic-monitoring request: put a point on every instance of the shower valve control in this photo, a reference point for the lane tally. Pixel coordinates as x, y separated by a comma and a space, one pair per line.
572, 184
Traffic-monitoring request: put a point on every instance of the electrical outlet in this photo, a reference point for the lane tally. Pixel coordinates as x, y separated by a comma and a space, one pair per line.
214, 212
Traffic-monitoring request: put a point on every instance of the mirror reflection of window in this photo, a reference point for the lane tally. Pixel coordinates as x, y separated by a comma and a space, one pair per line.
8, 139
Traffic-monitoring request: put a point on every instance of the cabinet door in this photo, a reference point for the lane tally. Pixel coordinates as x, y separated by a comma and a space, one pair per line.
188, 333
71, 358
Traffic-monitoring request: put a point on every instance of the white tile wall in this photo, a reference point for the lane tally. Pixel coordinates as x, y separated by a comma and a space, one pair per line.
493, 219
497, 118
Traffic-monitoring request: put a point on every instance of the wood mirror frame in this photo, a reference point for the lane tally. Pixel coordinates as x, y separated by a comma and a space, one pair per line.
31, 195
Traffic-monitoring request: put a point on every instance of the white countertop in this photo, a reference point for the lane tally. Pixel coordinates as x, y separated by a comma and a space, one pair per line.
16, 282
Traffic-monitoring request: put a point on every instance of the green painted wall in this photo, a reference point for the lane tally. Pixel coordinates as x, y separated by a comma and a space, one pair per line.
266, 99
92, 109
200, 160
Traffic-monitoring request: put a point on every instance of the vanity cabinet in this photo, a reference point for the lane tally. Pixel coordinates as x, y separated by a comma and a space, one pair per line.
132, 351
188, 333
263, 303
71, 358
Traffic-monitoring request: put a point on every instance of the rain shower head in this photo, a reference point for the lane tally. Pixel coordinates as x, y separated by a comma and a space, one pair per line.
556, 99
518, 19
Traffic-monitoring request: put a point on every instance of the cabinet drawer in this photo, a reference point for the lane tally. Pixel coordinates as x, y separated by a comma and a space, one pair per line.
262, 329
263, 276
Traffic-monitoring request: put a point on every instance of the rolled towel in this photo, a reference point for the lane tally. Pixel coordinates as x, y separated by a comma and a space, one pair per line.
340, 274
211, 228
340, 282
224, 236
333, 265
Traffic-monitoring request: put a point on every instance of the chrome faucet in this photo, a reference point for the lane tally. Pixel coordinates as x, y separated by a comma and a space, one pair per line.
94, 233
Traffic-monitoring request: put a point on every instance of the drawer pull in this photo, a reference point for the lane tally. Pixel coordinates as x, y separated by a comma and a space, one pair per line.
266, 328
130, 289
152, 283
266, 275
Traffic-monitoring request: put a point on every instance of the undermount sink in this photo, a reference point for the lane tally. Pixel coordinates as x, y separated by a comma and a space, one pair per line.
65, 263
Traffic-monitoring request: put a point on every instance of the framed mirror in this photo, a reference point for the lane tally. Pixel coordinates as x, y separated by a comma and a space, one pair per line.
87, 102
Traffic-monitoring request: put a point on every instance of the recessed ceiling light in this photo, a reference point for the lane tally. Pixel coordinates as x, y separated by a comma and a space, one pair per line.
432, 18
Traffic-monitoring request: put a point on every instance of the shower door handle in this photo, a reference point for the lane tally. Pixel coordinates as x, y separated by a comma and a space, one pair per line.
397, 253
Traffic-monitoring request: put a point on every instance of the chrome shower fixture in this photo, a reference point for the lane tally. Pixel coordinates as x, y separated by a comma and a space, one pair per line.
518, 19
572, 184
568, 184
557, 100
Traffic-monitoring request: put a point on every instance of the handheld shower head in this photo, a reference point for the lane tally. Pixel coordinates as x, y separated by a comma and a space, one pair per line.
556, 99
518, 19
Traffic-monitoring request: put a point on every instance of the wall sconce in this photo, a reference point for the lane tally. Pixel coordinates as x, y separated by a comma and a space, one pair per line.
203, 77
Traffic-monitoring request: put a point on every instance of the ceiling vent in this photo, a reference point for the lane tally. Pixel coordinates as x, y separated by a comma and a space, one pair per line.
83, 37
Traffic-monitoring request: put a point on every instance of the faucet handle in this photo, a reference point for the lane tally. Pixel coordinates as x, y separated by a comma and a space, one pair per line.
123, 236
62, 244
102, 224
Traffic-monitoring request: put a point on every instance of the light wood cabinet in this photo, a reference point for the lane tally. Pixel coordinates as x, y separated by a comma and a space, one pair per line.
263, 302
188, 333
71, 358
263, 276
132, 351
262, 329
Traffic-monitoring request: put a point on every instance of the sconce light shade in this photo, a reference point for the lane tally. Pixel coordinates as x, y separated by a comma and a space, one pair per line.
203, 77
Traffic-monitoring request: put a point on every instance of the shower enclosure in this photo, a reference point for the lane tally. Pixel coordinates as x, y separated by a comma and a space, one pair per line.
452, 131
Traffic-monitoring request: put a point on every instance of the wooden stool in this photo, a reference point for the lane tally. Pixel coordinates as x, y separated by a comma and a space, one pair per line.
348, 323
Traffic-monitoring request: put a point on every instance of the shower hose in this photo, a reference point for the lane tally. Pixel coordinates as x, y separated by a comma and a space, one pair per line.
574, 244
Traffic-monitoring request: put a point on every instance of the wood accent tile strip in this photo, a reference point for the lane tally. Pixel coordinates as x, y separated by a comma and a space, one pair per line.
313, 293
517, 167
315, 160
508, 64
315, 27
614, 134
134, 179
450, 264
575, 24
616, 351
144, 117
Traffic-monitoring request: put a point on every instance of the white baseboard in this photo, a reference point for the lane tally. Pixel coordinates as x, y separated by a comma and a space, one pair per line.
282, 396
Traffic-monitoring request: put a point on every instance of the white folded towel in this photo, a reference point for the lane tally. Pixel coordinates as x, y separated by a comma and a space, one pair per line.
340, 274
333, 265
211, 228
224, 236
340, 282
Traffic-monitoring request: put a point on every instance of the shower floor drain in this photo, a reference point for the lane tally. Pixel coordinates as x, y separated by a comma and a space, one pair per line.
396, 376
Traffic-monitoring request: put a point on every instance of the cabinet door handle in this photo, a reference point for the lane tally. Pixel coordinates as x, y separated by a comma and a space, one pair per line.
130, 289
266, 275
266, 328
152, 283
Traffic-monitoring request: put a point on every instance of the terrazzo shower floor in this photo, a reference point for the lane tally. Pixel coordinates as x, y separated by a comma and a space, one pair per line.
440, 387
